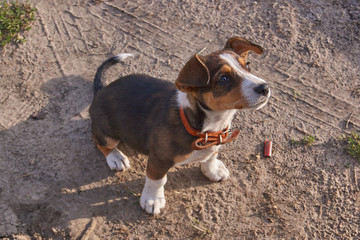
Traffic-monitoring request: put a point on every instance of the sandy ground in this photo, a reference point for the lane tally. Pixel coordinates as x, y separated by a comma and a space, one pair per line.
55, 184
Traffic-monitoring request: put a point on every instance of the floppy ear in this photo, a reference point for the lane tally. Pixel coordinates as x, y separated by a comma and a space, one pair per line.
242, 46
194, 74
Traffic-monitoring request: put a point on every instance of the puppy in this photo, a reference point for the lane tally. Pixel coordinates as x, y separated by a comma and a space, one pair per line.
179, 123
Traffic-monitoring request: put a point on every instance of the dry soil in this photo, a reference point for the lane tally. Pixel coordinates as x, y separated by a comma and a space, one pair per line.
55, 184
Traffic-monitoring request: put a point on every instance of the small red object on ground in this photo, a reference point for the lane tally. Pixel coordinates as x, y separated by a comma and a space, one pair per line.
267, 148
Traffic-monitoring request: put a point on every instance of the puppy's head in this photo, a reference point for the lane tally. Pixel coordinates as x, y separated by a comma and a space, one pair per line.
222, 80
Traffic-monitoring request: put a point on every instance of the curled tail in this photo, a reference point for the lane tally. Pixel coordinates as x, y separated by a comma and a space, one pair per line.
98, 83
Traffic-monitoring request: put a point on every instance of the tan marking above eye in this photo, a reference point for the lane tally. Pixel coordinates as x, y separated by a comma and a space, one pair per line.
242, 62
225, 70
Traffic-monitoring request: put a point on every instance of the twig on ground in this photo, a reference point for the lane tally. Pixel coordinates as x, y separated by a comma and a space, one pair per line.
347, 122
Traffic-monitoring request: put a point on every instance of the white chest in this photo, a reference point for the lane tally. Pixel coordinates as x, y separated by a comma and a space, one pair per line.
200, 156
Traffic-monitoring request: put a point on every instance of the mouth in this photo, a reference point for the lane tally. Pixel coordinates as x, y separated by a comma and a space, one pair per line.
252, 102
260, 102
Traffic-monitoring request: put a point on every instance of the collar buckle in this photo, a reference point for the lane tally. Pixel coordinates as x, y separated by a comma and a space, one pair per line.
207, 139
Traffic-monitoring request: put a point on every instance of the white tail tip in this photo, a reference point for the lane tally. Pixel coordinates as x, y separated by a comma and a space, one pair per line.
122, 56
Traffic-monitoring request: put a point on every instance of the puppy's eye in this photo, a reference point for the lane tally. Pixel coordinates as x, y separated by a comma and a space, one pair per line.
224, 79
247, 64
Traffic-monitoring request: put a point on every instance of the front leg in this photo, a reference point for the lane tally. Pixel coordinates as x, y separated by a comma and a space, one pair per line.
215, 169
152, 198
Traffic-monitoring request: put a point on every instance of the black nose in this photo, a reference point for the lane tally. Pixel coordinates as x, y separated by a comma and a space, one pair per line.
262, 89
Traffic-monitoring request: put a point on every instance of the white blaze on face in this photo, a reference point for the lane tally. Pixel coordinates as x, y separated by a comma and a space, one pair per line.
249, 83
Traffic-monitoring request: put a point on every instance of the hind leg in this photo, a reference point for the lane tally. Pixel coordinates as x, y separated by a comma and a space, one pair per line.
115, 159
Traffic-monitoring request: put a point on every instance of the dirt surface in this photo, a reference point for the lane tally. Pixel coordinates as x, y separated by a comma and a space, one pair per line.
55, 184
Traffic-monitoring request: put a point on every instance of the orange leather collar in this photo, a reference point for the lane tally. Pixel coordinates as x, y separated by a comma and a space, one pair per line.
207, 139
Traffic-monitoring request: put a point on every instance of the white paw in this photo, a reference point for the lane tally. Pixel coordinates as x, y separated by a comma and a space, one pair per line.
152, 204
152, 198
215, 170
117, 160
